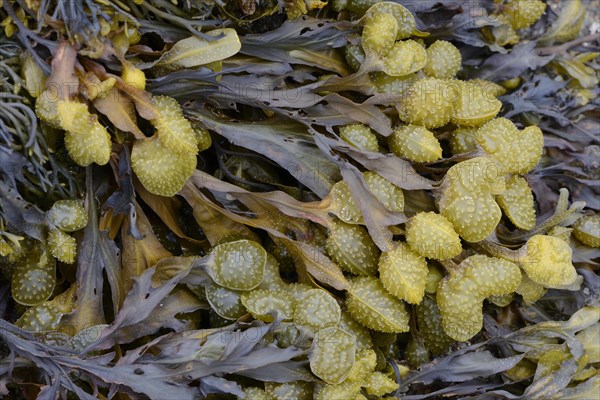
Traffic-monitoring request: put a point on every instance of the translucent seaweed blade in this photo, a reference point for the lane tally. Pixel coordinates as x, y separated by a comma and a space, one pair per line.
194, 51
332, 355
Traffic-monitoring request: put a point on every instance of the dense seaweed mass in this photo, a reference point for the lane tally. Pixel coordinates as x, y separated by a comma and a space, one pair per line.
299, 199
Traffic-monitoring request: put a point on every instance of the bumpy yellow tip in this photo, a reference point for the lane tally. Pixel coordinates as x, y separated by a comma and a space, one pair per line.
73, 116
587, 230
161, 171
351, 247
460, 295
62, 246
225, 302
238, 265
345, 390
370, 304
174, 130
518, 152
68, 215
46, 316
390, 195
429, 102
467, 197
332, 355
379, 34
415, 143
34, 277
404, 273
523, 13
406, 21
359, 136
443, 60
263, 304
202, 138
548, 262
432, 235
517, 203
474, 215
475, 105
344, 206
365, 364
317, 310
379, 384
86, 140
45, 109
405, 58
479, 174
